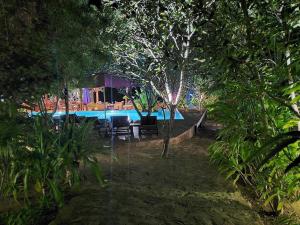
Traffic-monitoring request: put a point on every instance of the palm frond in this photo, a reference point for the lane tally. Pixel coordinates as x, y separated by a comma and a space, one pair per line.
279, 148
295, 163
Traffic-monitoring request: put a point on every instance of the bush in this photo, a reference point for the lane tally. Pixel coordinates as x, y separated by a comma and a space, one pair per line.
238, 151
38, 164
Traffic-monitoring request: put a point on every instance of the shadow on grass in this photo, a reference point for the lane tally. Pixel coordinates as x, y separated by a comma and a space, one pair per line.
146, 190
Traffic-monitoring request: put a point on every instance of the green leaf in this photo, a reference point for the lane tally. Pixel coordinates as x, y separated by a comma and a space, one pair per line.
295, 163
96, 169
25, 183
38, 186
269, 199
280, 206
291, 123
295, 100
57, 194
294, 88
230, 174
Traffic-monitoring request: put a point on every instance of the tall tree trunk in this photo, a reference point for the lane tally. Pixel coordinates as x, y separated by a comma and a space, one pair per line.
135, 107
129, 95
169, 131
149, 102
291, 81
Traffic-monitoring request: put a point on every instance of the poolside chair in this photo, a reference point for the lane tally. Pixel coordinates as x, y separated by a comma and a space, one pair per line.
100, 106
61, 105
74, 106
81, 119
128, 107
91, 106
118, 105
36, 108
73, 118
49, 105
120, 125
148, 125
109, 106
98, 124
92, 120
58, 121
103, 126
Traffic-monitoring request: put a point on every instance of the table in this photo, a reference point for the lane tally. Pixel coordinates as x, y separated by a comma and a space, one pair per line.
135, 129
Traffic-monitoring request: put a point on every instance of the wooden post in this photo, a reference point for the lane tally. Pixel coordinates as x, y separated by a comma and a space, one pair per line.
97, 94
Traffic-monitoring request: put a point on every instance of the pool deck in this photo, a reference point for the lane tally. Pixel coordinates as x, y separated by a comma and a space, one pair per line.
182, 130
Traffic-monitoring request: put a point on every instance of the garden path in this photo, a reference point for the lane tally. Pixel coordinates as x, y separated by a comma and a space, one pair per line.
143, 189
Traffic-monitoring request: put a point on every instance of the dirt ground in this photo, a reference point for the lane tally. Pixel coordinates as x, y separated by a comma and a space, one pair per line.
143, 189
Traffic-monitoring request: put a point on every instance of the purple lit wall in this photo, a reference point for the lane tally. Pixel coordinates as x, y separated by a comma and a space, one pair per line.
117, 82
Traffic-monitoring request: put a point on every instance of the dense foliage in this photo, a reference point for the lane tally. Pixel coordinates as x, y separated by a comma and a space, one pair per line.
243, 55
258, 64
24, 67
38, 162
43, 51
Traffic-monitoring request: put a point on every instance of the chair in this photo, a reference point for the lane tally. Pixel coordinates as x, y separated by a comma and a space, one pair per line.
128, 107
73, 118
59, 121
61, 105
98, 124
100, 106
109, 106
118, 105
49, 105
148, 125
91, 106
120, 125
82, 119
36, 108
103, 126
92, 120
74, 106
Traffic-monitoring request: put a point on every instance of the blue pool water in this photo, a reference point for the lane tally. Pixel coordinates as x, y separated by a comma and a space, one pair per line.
132, 114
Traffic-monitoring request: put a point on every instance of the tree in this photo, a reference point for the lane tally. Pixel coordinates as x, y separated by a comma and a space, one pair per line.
76, 43
24, 70
46, 46
42, 46
157, 45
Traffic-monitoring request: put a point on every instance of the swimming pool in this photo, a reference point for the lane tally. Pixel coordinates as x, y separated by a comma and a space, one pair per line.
132, 114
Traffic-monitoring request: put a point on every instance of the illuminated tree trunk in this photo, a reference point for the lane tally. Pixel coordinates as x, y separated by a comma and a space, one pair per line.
130, 96
172, 102
291, 81
169, 132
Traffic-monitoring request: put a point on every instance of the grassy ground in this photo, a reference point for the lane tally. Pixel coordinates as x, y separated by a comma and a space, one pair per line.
143, 189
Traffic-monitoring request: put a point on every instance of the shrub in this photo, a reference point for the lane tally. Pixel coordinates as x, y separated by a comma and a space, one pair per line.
38, 163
